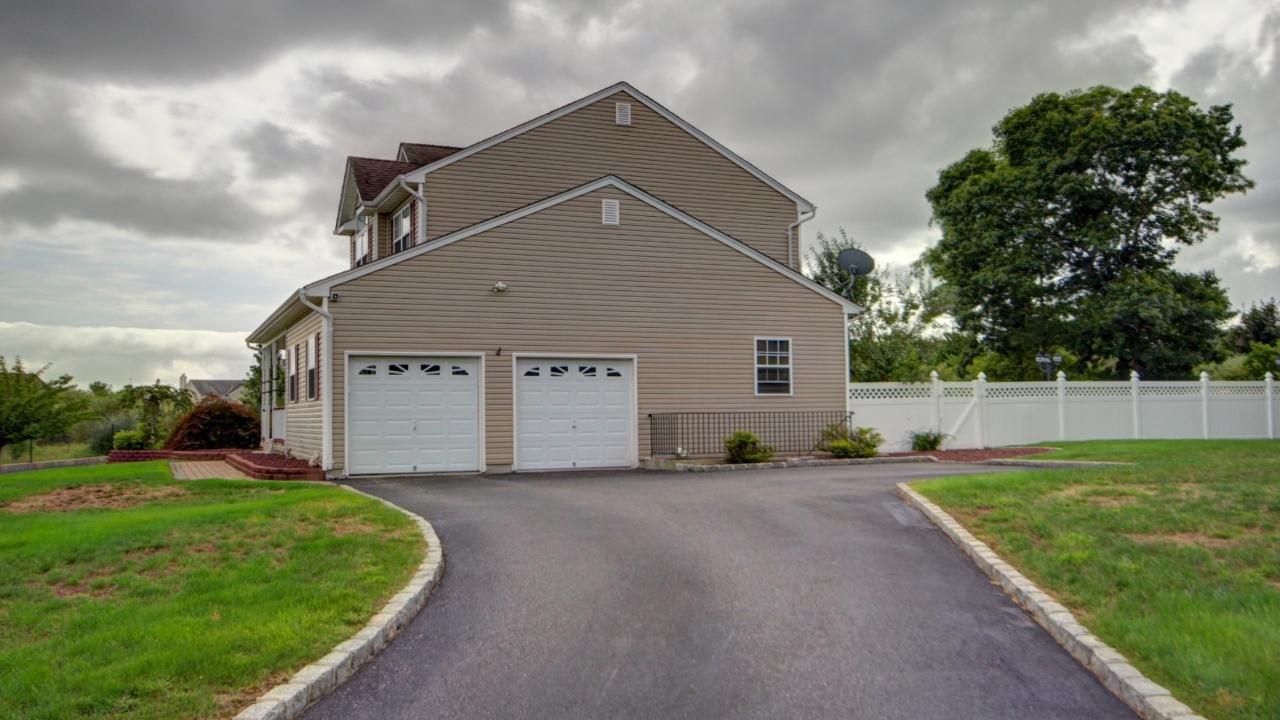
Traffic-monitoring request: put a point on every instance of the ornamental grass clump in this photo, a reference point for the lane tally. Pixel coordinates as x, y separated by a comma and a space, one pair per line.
926, 439
843, 442
744, 447
216, 423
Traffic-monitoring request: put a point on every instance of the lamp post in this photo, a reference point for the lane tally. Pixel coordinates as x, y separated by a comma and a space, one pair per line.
1049, 365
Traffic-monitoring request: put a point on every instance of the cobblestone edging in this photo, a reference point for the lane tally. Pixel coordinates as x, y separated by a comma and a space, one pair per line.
693, 467
287, 701
50, 464
118, 456
1148, 699
1051, 463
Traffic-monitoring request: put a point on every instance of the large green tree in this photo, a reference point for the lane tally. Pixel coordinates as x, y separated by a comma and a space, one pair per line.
1064, 232
32, 408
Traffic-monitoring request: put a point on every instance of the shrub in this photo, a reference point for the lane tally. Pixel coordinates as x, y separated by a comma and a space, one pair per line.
745, 447
216, 423
100, 435
130, 440
926, 439
859, 443
832, 433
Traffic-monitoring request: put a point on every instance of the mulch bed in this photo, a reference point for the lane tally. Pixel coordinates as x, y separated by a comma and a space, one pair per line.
968, 456
274, 466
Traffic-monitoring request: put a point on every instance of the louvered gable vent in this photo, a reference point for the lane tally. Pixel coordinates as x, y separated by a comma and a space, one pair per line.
622, 113
609, 213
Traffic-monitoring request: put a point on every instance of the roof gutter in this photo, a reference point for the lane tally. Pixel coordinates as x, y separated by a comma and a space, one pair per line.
792, 258
326, 380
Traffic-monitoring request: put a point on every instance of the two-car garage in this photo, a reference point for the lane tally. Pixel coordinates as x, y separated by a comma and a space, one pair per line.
425, 413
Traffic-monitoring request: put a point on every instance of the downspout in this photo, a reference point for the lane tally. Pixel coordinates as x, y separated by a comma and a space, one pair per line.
791, 253
422, 211
264, 411
326, 381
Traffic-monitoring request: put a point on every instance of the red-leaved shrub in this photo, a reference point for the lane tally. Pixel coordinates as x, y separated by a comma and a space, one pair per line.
216, 423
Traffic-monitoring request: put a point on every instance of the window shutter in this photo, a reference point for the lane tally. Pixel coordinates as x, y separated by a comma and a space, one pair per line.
319, 355
622, 113
610, 213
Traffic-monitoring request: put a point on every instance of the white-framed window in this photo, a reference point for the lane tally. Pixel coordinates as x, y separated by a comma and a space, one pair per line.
402, 228
313, 352
362, 240
622, 113
293, 374
610, 212
773, 366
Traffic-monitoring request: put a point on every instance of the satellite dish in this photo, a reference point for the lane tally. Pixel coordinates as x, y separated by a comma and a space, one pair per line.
855, 262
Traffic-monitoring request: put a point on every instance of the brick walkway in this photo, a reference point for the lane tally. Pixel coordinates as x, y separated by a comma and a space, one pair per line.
206, 469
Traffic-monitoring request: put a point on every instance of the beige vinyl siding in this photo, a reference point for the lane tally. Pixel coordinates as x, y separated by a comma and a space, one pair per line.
686, 304
652, 153
303, 419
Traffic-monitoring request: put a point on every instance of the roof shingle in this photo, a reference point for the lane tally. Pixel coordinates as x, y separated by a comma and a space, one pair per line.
425, 154
373, 175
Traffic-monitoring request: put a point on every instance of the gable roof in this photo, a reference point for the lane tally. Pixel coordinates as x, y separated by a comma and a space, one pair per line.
423, 154
324, 287
418, 174
372, 175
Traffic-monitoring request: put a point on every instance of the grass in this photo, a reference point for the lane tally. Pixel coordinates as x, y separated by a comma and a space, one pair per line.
1175, 562
126, 593
45, 452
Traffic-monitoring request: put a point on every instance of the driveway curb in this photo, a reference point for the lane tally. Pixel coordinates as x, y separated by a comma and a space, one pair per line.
1148, 699
288, 700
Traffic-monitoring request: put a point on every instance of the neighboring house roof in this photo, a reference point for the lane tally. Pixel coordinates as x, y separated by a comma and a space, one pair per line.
424, 154
221, 388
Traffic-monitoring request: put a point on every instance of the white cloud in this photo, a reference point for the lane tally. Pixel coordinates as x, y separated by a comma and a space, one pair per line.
1258, 257
1173, 34
121, 355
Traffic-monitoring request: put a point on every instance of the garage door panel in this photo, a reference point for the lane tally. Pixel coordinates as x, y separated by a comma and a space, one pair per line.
574, 413
414, 414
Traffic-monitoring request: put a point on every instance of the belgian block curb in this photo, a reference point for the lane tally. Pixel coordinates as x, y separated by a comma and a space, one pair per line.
1148, 699
288, 700
694, 467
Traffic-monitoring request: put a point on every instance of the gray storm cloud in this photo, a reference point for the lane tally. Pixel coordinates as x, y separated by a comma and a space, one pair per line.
176, 167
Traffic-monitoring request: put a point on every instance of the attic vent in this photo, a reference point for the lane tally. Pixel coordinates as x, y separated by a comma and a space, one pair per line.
622, 113
609, 214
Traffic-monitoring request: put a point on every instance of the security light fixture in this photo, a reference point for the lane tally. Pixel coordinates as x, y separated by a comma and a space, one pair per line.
499, 287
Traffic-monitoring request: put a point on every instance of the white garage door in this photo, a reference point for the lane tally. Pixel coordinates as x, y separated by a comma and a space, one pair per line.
414, 414
574, 413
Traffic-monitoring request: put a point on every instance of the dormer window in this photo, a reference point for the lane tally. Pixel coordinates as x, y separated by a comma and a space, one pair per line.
402, 229
361, 239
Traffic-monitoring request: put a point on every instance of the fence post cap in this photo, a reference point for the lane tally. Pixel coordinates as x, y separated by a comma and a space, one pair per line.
933, 374
1133, 376
1062, 375
1269, 376
1204, 376
982, 377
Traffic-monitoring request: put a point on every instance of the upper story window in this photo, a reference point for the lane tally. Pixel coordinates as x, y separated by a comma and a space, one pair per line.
402, 229
361, 239
773, 366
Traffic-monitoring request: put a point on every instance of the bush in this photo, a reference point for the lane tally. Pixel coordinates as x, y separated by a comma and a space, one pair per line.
858, 443
100, 435
744, 447
216, 423
130, 440
926, 439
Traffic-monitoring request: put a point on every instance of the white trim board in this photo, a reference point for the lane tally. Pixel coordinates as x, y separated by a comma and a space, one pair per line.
325, 286
417, 175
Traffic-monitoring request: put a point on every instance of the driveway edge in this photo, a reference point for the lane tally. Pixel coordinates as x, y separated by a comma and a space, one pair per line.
290, 699
723, 467
1148, 699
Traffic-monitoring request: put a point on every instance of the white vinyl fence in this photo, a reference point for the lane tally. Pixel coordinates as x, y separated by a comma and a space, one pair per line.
980, 414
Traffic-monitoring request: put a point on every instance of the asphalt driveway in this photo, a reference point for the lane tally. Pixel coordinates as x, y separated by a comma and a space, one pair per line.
798, 593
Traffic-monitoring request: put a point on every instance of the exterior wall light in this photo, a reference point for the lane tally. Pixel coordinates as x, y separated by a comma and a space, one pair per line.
499, 287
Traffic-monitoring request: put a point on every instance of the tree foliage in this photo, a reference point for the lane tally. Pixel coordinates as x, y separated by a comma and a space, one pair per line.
251, 393
32, 408
156, 406
1259, 324
216, 423
1064, 233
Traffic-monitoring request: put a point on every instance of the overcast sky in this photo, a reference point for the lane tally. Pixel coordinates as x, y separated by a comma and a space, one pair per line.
169, 172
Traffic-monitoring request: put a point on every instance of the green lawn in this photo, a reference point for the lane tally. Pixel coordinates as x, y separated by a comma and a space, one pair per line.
126, 593
1174, 562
